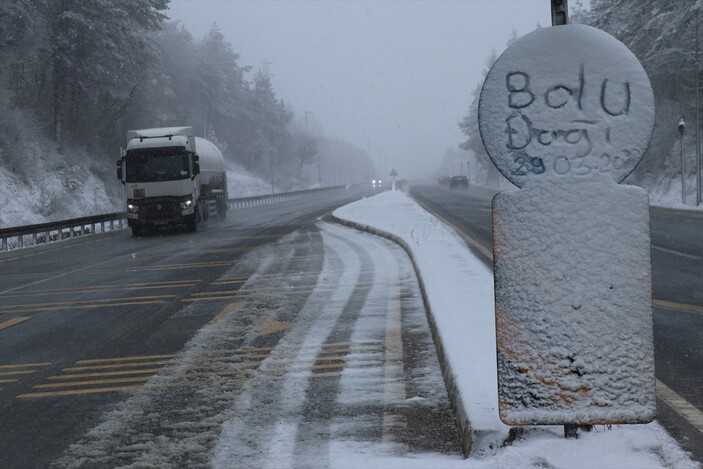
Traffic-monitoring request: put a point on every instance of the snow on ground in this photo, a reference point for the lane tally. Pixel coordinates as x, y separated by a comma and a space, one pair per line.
242, 183
667, 193
75, 190
459, 290
59, 194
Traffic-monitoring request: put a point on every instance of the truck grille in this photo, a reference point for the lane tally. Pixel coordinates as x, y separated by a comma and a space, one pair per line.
161, 211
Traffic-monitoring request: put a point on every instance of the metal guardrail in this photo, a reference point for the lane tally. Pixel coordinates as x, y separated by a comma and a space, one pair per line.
255, 201
43, 233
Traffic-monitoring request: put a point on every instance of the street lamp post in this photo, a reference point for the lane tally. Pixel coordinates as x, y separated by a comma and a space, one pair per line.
682, 129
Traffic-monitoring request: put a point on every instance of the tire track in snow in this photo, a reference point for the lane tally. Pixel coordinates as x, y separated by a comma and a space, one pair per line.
319, 410
268, 414
175, 420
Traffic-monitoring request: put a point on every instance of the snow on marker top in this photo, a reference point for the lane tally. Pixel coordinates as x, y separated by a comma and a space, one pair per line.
570, 102
566, 113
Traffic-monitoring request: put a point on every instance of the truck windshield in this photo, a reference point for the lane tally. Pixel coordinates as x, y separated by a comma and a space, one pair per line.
157, 164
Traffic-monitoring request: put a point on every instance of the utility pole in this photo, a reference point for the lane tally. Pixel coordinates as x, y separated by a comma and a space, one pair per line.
560, 12
334, 176
560, 16
698, 118
682, 129
319, 176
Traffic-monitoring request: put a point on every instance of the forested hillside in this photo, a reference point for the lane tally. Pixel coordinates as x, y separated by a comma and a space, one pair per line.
663, 37
76, 75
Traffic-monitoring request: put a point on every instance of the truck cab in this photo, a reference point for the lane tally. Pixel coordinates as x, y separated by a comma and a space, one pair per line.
161, 175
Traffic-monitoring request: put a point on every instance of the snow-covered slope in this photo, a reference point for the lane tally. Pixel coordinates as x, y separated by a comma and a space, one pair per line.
59, 191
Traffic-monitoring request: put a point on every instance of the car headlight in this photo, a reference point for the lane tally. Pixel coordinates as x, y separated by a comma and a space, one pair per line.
186, 204
132, 208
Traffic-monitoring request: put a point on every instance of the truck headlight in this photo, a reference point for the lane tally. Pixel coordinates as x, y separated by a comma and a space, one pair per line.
186, 204
132, 208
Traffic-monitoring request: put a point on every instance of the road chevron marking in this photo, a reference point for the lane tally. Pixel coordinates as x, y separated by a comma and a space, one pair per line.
271, 327
680, 405
679, 306
12, 322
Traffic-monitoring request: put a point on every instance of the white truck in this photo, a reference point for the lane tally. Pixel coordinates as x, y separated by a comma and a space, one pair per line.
171, 177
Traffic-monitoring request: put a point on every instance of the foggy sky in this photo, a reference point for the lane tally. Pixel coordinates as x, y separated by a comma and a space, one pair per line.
394, 77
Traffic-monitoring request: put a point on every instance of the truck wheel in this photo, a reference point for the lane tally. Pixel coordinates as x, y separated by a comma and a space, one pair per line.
137, 230
192, 223
221, 208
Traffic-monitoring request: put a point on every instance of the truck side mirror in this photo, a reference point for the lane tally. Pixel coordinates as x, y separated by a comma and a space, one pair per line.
119, 169
196, 168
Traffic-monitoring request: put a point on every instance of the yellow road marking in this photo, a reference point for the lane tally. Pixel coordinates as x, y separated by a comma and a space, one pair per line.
17, 373
117, 365
67, 384
77, 391
242, 279
680, 306
102, 288
271, 327
93, 306
12, 322
3, 381
107, 373
214, 298
80, 302
125, 359
229, 309
238, 294
25, 365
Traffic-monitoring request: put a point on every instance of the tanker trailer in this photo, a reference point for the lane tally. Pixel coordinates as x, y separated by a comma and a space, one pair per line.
166, 181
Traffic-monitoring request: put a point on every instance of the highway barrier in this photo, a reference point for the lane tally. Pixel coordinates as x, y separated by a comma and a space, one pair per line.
43, 233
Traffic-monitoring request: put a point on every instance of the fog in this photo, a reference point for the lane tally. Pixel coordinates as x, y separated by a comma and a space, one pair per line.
394, 78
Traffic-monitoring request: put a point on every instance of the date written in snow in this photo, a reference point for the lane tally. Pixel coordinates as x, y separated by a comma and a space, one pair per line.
576, 139
579, 166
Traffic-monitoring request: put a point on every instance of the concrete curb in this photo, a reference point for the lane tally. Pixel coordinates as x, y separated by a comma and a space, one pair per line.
460, 414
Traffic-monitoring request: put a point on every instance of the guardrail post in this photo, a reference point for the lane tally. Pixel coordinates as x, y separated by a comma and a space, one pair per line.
4, 244
34, 239
20, 241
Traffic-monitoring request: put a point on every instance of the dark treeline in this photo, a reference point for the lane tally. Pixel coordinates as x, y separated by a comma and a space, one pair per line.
79, 73
663, 37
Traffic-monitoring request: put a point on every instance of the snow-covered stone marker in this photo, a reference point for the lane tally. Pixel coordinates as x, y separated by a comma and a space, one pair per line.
566, 113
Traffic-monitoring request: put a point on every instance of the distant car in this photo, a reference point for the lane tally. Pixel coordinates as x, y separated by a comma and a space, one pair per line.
443, 180
376, 183
459, 182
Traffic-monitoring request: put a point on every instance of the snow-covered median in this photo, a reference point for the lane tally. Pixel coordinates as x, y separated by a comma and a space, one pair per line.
459, 294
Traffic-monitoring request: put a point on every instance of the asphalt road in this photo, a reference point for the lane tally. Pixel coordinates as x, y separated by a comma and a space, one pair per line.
677, 277
87, 322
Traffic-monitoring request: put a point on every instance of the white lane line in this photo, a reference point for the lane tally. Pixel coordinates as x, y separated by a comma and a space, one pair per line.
680, 405
676, 253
